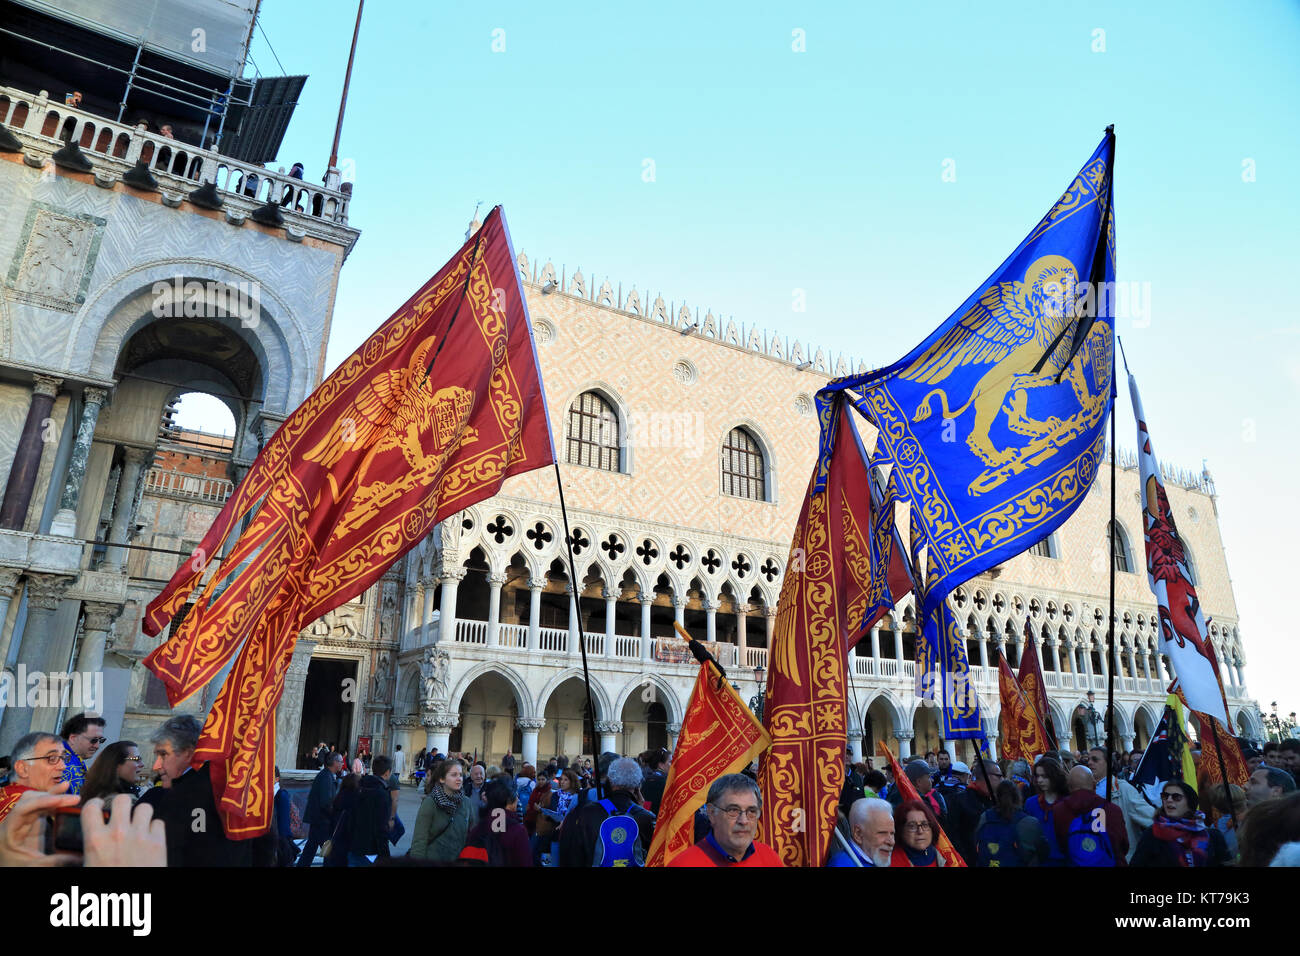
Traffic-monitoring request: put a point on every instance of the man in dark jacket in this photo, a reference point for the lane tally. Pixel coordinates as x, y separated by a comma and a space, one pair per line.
580, 834
918, 772
185, 802
656, 777
368, 826
319, 815
966, 808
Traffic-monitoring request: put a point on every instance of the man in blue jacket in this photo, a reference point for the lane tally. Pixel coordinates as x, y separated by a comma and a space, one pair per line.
319, 816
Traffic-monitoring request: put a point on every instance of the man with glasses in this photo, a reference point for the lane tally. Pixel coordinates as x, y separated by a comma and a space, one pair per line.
82, 736
734, 804
37, 765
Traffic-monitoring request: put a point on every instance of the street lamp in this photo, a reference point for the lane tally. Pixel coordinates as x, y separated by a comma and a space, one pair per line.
756, 702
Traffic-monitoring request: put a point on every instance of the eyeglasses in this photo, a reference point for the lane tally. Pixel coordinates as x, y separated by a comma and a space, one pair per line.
135, 759
1175, 797
733, 813
917, 827
97, 740
53, 758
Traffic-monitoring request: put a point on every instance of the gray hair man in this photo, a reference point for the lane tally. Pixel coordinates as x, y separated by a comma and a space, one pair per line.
871, 826
580, 840
734, 804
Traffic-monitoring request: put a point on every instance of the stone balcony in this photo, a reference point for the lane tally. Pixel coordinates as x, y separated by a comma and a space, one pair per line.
44, 126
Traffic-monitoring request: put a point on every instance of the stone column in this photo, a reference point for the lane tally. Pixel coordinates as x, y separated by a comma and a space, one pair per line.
119, 533
1125, 742
984, 649
1087, 666
575, 625
679, 610
742, 610
710, 620
560, 730
769, 622
904, 738
450, 581
44, 592
65, 520
1237, 665
875, 645
8, 586
27, 455
1056, 654
896, 626
1132, 665
609, 731
611, 609
99, 624
535, 586
288, 713
489, 726
494, 609
424, 628
647, 642
437, 729
674, 728
855, 744
530, 727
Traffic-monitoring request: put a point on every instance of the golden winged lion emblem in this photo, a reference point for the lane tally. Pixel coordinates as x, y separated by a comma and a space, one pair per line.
1009, 331
395, 410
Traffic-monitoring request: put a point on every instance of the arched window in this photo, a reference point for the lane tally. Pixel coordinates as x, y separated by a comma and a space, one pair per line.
743, 468
1120, 553
1045, 548
593, 433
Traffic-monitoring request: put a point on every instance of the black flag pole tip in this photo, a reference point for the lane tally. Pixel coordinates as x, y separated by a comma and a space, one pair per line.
1110, 130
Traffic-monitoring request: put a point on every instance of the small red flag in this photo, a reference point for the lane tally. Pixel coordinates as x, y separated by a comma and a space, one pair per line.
1023, 735
719, 736
1035, 688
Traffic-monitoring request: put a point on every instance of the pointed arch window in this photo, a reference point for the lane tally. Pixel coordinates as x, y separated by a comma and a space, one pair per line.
1120, 553
593, 438
743, 466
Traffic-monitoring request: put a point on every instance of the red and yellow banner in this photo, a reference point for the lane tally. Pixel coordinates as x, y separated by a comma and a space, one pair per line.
823, 610
1031, 682
1023, 736
431, 414
719, 736
941, 842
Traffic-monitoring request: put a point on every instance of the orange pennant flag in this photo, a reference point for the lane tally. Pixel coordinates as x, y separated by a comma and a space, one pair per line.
719, 736
1024, 736
949, 852
431, 414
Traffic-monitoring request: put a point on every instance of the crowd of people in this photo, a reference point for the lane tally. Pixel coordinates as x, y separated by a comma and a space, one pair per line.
76, 797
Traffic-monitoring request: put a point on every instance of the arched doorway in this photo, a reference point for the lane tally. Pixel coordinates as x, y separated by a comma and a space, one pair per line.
488, 719
570, 731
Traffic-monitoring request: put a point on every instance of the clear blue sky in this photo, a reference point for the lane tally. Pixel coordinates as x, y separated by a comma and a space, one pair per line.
822, 170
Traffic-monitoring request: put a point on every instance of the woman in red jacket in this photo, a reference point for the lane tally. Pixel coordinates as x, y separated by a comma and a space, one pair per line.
915, 831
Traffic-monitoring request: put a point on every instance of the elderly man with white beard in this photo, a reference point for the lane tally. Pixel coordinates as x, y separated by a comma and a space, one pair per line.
871, 823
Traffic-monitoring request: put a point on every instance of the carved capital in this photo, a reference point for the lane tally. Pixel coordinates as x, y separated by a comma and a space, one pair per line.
46, 385
440, 720
769, 611
645, 598
611, 594
744, 608
903, 734
536, 584
94, 396
448, 575
495, 579
404, 721
530, 723
45, 591
9, 581
675, 727
100, 617
609, 726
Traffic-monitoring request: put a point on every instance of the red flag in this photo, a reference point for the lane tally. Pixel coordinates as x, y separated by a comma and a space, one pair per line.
941, 842
1035, 688
431, 414
1023, 735
719, 736
823, 610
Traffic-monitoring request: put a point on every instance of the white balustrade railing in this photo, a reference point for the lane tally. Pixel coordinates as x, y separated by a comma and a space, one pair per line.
199, 487
595, 643
553, 639
909, 669
756, 657
628, 648
177, 165
864, 667
888, 667
513, 635
471, 632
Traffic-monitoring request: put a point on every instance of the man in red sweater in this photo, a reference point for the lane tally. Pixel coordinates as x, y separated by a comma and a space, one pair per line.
1089, 829
734, 804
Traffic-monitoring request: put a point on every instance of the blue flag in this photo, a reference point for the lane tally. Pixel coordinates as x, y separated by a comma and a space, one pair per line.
995, 423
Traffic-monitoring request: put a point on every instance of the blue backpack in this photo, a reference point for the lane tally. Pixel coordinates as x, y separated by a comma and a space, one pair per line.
619, 840
999, 842
1087, 843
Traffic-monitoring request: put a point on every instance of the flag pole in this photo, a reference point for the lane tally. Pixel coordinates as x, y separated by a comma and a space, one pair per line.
577, 609
347, 80
1110, 634
1223, 770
